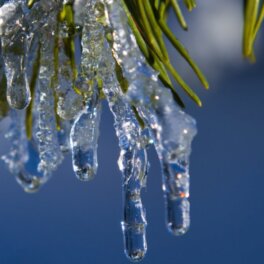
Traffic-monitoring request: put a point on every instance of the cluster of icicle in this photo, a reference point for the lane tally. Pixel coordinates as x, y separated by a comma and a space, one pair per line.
30, 34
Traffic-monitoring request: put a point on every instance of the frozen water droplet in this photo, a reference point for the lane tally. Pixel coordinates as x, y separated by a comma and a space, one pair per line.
17, 96
14, 44
30, 185
84, 140
23, 159
29, 177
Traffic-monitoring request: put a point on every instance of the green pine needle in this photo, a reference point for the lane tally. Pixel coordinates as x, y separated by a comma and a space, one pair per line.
253, 18
148, 20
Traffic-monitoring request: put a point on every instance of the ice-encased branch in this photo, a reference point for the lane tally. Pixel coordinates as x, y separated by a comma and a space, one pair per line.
13, 33
133, 163
172, 129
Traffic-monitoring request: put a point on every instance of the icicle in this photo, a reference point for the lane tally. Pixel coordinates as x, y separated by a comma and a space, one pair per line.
46, 131
49, 149
132, 162
29, 177
172, 129
23, 159
84, 148
174, 150
133, 165
14, 50
84, 140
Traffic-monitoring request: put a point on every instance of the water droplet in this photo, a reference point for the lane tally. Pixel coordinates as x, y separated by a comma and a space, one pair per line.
29, 184
84, 141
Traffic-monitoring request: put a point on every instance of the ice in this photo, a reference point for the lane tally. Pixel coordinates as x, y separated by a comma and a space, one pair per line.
84, 139
86, 16
14, 49
64, 136
133, 162
46, 129
67, 90
69, 102
133, 159
22, 159
172, 129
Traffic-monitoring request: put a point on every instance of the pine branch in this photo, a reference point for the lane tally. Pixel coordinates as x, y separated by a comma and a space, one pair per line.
148, 21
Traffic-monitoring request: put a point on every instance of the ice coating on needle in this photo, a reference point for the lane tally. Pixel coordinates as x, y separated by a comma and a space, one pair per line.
69, 102
64, 136
32, 160
85, 16
133, 162
85, 130
133, 165
46, 132
14, 49
84, 140
67, 89
22, 159
172, 129
133, 159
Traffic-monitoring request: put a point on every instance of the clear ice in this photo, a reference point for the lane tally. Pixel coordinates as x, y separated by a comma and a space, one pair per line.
172, 129
23, 158
60, 98
84, 140
14, 49
85, 130
133, 157
69, 102
133, 162
46, 132
91, 40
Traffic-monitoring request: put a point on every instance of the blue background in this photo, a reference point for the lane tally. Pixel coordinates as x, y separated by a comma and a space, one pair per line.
72, 222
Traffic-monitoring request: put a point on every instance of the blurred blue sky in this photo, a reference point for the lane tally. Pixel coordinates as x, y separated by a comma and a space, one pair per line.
71, 222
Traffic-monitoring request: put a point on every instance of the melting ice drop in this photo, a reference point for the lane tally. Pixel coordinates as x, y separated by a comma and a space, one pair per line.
84, 141
14, 53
